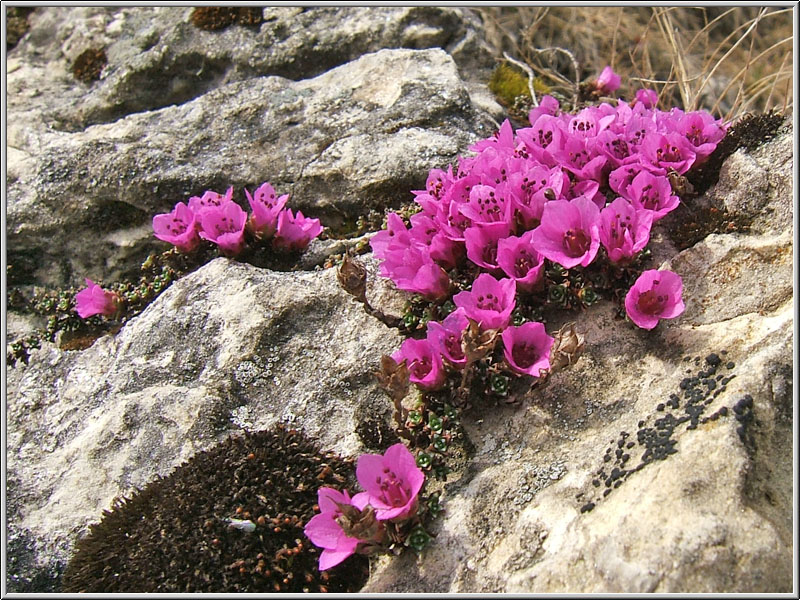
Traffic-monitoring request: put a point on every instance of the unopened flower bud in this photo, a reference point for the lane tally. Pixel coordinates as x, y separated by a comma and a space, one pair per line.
352, 277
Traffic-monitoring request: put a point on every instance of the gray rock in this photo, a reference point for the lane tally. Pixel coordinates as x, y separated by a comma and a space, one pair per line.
157, 57
227, 347
760, 185
540, 509
179, 110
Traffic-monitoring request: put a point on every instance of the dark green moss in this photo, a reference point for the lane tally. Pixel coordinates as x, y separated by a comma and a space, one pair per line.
174, 535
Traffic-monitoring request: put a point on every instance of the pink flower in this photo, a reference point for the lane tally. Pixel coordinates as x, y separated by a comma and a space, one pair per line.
588, 188
547, 106
580, 156
655, 295
295, 232
608, 81
265, 206
620, 178
325, 532
209, 200
670, 151
653, 193
424, 363
544, 138
94, 300
531, 187
224, 225
425, 232
412, 269
569, 232
527, 348
446, 336
520, 261
614, 146
392, 482
395, 233
178, 228
438, 182
481, 242
486, 205
702, 131
648, 98
502, 139
624, 231
490, 302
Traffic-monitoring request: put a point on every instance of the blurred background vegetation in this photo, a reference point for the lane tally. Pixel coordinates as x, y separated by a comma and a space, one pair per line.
727, 60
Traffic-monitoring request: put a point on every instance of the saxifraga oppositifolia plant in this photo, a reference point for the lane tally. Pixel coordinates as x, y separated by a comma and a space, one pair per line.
552, 216
555, 215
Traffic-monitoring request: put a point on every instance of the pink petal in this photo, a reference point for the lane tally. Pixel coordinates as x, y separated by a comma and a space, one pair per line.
331, 558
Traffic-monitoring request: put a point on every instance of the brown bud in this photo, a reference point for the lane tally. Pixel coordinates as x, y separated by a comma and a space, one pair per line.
361, 524
680, 185
393, 377
352, 277
567, 348
476, 343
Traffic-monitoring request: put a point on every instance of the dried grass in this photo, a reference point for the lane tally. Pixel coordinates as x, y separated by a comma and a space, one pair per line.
727, 60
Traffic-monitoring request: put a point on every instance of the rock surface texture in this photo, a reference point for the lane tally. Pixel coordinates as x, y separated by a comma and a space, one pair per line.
342, 108
661, 461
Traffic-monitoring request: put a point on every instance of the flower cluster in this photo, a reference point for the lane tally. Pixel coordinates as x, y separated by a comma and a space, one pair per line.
217, 218
567, 189
489, 304
347, 525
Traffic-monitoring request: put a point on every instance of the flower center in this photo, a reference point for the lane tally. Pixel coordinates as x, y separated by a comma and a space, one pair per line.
651, 303
524, 355
224, 225
392, 491
421, 367
177, 227
489, 302
522, 265
453, 345
695, 136
619, 148
618, 228
575, 243
649, 197
669, 154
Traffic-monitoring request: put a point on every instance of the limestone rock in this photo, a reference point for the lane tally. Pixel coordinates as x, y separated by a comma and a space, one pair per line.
757, 186
309, 102
157, 57
227, 347
644, 467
